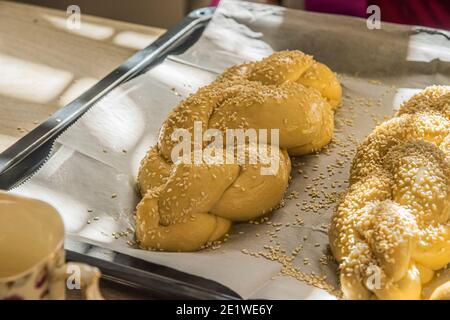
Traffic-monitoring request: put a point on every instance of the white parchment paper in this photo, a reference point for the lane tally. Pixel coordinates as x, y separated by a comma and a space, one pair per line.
90, 178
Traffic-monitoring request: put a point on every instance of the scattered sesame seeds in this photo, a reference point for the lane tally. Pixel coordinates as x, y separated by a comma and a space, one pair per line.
398, 180
319, 197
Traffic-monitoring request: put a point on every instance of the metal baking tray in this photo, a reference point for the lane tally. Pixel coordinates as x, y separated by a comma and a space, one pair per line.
27, 155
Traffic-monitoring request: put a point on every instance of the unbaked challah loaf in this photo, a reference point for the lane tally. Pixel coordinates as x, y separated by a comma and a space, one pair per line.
186, 206
391, 232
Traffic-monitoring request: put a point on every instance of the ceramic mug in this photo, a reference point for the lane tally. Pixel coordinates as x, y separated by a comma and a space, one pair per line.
32, 258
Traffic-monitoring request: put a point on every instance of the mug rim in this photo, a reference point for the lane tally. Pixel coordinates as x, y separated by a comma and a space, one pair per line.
57, 247
38, 264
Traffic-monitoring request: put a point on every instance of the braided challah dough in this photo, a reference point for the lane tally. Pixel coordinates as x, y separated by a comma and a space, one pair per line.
391, 232
185, 207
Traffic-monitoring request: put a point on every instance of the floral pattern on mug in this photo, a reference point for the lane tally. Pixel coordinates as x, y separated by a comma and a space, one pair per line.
35, 284
41, 278
14, 297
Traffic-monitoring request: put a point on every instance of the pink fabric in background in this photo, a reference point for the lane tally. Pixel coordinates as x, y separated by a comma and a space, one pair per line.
351, 8
431, 13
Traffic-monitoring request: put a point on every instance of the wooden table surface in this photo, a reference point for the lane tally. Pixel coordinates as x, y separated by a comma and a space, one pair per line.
44, 65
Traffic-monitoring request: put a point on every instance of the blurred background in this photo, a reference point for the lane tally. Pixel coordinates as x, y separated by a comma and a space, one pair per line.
158, 13
165, 13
